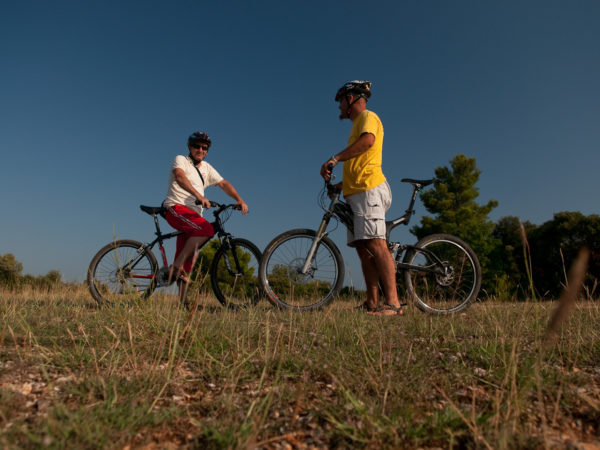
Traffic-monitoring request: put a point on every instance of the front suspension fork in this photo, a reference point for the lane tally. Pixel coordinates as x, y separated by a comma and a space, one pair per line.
321, 233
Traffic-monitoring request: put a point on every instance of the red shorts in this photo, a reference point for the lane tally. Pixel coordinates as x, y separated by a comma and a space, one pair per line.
191, 223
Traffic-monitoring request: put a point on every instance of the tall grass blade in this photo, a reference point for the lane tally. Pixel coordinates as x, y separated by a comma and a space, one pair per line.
569, 295
527, 259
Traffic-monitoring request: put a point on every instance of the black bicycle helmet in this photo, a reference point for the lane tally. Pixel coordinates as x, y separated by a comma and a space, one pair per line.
199, 137
358, 88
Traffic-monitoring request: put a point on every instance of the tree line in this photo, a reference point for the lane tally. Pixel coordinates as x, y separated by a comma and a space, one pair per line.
11, 276
519, 260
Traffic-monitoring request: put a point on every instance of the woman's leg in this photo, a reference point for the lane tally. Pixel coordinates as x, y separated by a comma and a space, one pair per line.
197, 231
188, 252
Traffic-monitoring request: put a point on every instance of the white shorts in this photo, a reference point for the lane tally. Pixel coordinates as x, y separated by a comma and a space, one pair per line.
369, 208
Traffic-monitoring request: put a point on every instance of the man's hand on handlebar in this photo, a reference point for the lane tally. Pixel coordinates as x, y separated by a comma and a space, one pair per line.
327, 167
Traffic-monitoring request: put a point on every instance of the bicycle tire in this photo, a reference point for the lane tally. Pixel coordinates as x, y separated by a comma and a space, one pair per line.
235, 289
280, 276
109, 281
443, 293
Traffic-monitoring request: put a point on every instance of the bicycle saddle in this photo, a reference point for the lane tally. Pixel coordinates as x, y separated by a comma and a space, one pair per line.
421, 183
152, 210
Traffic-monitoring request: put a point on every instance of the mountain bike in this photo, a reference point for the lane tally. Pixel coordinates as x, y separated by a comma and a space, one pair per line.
128, 270
302, 269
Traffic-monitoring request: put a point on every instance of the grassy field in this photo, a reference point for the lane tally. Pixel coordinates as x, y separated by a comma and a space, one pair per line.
153, 376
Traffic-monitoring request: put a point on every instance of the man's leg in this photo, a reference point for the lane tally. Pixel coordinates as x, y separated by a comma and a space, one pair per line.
368, 236
385, 272
370, 273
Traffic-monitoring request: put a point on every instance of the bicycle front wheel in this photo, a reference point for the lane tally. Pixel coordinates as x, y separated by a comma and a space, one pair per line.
234, 274
446, 276
282, 277
122, 270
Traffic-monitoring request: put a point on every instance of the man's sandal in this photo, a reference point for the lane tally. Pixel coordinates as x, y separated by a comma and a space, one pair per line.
396, 310
365, 307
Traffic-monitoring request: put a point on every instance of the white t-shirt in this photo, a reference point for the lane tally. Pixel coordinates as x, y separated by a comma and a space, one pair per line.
176, 195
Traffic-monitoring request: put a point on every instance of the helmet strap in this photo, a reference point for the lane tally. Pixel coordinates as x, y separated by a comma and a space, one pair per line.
350, 104
194, 160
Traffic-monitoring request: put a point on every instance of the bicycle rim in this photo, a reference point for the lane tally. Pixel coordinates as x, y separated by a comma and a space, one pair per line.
234, 274
120, 272
455, 280
282, 277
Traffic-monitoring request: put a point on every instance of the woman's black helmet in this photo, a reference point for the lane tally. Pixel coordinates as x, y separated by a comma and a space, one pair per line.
357, 88
199, 137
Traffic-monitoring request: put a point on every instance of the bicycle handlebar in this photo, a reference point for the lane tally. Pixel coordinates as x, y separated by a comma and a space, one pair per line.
220, 206
328, 181
331, 188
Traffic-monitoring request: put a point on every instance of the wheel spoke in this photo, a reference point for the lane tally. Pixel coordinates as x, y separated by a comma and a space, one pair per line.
455, 282
282, 271
119, 272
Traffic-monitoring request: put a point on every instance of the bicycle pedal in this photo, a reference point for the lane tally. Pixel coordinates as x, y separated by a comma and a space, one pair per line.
162, 277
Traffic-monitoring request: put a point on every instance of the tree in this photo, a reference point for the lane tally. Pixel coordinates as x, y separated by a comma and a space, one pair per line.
10, 270
289, 283
452, 202
10, 275
49, 281
506, 264
200, 274
555, 245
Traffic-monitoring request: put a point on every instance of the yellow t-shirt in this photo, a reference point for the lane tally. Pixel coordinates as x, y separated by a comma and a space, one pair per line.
364, 171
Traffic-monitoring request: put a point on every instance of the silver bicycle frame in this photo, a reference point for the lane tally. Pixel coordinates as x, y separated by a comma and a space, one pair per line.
390, 225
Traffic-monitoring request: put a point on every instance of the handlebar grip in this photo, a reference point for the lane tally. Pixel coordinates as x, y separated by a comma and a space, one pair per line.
213, 204
328, 180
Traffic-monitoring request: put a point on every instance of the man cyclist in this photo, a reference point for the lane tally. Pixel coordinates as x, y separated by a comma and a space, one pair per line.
188, 178
367, 192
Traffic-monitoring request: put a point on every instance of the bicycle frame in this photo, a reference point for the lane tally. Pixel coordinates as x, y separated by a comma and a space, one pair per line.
222, 235
329, 213
341, 210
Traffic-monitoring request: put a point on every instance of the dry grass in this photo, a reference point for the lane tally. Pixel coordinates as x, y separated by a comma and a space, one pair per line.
151, 375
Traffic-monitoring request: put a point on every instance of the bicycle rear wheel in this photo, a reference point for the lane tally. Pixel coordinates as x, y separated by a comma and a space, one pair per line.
450, 278
234, 274
122, 270
281, 271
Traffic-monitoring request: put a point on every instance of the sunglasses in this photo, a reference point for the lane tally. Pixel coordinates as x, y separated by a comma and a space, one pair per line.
197, 146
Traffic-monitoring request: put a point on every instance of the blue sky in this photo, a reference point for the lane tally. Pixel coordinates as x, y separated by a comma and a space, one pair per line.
98, 97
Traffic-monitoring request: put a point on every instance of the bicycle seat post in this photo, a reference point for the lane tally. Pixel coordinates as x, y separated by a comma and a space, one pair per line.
156, 224
417, 186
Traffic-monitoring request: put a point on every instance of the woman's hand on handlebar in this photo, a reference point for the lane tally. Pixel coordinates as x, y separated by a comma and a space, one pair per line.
242, 206
204, 202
